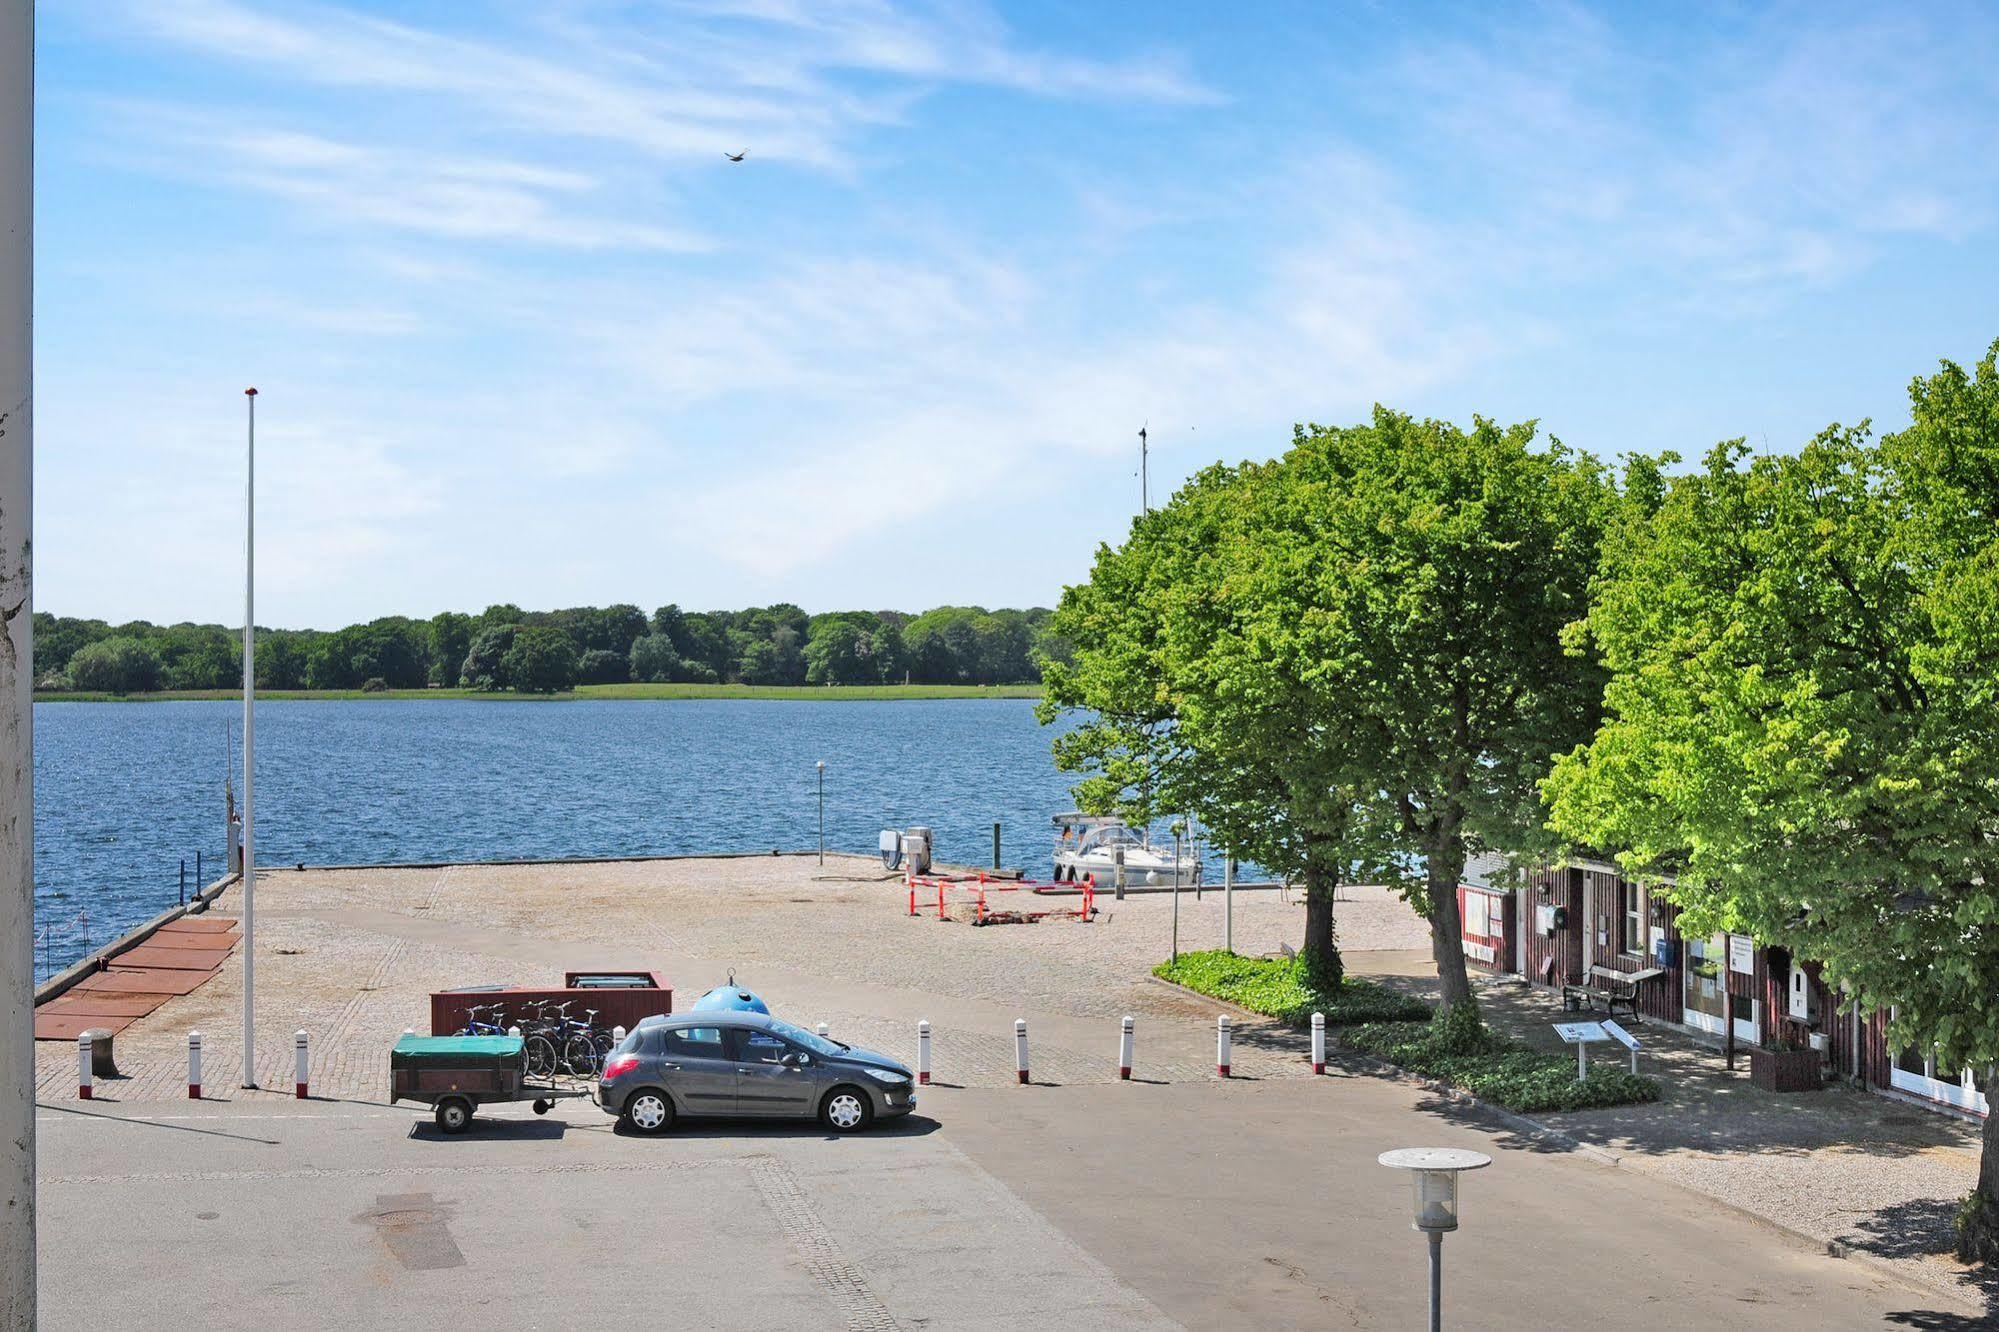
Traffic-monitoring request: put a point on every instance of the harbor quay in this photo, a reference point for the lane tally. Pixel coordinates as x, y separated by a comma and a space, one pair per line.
1172, 1198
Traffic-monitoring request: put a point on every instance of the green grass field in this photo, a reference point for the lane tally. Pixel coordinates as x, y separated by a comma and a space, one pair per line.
811, 693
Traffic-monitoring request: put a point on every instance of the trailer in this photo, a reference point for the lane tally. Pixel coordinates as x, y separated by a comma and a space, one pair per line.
455, 1075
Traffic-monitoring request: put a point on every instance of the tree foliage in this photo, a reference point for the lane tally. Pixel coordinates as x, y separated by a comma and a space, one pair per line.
761, 645
1804, 715
540, 661
1347, 660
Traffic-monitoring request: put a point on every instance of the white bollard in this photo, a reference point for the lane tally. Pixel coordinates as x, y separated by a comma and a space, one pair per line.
823, 1029
923, 1053
1020, 1048
618, 1035
300, 1063
514, 1032
1124, 1048
409, 1031
83, 1070
194, 1066
1222, 1046
1318, 1042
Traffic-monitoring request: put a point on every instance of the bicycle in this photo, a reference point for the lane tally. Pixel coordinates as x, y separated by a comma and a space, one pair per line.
474, 1027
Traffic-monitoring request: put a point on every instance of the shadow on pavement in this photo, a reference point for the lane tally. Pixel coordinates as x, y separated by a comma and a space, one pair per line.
903, 1126
156, 1124
483, 1129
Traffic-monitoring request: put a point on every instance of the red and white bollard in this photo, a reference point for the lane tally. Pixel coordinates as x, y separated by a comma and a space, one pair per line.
301, 1062
194, 1066
1222, 1046
923, 1053
1020, 1048
823, 1029
83, 1069
1318, 1042
1124, 1049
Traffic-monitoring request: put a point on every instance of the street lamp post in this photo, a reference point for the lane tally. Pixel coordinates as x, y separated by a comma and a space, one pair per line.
1434, 1171
822, 811
249, 746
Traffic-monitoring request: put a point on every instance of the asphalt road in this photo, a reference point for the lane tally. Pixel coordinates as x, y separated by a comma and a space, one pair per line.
1103, 1206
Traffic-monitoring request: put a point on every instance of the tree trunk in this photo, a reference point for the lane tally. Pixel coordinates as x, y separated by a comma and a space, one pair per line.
1447, 936
1321, 951
1978, 1222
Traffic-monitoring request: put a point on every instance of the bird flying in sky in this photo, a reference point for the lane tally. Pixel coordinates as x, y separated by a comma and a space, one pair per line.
737, 157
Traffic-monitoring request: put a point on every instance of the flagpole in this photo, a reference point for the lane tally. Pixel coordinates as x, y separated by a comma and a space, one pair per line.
249, 747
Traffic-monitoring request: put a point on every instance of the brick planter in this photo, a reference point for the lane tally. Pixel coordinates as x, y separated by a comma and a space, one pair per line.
1785, 1070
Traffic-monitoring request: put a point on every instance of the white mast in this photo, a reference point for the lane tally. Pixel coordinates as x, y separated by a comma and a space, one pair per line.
249, 748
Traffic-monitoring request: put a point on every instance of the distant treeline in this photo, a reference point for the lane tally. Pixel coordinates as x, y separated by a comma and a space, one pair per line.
505, 647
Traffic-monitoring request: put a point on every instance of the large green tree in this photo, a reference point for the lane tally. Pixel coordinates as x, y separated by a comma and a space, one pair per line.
1804, 718
1355, 650
1183, 708
540, 660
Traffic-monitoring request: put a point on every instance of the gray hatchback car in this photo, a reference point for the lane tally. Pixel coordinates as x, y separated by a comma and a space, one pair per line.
730, 1063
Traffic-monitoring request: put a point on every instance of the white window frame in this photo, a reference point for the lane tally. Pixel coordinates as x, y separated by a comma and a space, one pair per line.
1633, 923
1483, 929
1963, 1093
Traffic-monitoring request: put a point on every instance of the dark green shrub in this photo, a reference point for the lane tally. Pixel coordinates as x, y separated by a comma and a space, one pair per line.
1283, 988
1501, 1071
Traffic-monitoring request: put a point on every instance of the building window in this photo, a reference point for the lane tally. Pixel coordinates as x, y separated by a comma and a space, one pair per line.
1478, 915
1633, 902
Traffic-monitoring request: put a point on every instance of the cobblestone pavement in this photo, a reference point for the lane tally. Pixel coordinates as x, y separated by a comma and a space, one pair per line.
351, 956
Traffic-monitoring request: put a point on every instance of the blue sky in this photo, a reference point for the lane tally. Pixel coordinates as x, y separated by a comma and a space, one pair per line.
522, 334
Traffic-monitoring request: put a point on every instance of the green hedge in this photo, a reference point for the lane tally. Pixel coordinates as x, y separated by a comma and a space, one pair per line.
1501, 1071
1279, 988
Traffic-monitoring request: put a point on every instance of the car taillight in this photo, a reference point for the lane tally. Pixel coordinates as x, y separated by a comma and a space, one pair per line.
620, 1066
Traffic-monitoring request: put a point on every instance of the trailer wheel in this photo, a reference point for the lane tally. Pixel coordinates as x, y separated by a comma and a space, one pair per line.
543, 1107
454, 1114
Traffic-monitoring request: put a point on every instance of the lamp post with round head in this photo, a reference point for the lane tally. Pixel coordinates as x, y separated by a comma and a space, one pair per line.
1434, 1172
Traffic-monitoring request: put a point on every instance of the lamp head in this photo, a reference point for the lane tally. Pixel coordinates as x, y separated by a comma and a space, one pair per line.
1434, 1173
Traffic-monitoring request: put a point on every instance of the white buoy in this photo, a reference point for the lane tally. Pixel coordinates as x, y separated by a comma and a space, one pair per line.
1124, 1048
1318, 1042
1222, 1046
1020, 1048
923, 1054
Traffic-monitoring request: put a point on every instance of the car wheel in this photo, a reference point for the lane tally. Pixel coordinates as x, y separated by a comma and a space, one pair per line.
454, 1114
543, 1107
648, 1111
846, 1110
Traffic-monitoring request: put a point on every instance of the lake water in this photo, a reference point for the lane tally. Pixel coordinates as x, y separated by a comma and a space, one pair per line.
123, 791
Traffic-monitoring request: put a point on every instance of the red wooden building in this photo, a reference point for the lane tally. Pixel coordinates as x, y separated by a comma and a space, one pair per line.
1584, 923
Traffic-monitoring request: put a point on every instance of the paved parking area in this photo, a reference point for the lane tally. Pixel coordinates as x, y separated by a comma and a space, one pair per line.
1174, 1199
1142, 1205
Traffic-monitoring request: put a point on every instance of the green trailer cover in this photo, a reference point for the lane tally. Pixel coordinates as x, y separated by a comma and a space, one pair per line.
466, 1052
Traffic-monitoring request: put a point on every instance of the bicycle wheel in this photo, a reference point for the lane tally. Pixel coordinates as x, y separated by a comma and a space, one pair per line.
540, 1057
580, 1056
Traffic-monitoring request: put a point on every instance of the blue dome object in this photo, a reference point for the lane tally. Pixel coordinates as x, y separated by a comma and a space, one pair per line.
731, 999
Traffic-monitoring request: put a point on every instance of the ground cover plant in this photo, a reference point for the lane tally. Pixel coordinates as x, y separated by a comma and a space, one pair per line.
1494, 1069
1283, 988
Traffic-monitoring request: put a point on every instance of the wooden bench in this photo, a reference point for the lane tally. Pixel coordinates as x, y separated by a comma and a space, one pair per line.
1611, 988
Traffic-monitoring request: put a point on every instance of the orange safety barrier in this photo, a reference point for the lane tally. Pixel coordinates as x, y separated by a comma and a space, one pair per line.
976, 889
